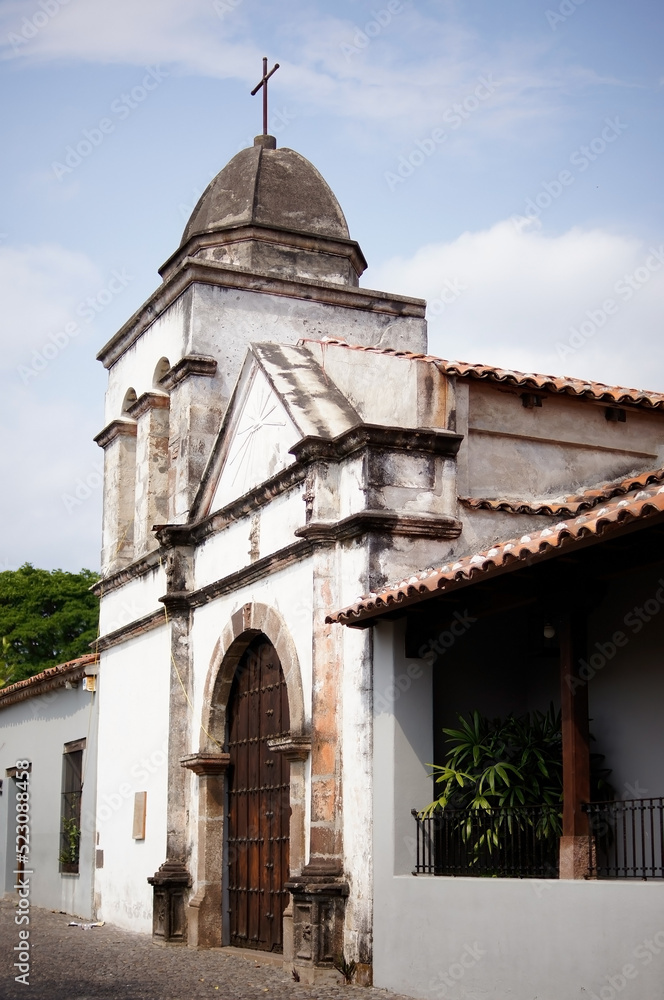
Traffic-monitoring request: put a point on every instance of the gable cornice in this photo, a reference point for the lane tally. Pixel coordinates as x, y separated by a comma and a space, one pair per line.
194, 271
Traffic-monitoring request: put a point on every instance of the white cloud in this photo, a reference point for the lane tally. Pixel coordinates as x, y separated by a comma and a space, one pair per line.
40, 289
403, 73
46, 421
48, 454
517, 298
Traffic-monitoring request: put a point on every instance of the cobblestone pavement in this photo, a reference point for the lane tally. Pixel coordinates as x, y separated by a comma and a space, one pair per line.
106, 963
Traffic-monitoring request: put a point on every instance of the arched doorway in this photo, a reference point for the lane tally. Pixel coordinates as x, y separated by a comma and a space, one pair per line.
258, 799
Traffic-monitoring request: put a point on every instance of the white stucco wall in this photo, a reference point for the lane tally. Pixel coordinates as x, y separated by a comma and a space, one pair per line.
488, 939
134, 600
133, 745
36, 730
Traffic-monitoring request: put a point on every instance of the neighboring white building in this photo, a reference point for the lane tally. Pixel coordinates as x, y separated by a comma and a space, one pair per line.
277, 441
48, 761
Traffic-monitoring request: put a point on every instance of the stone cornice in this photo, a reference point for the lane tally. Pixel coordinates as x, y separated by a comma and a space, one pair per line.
176, 602
148, 401
190, 364
338, 247
172, 873
130, 631
116, 428
170, 535
194, 271
147, 564
206, 763
383, 522
292, 747
436, 442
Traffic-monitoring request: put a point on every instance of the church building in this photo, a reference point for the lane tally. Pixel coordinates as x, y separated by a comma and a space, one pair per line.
320, 543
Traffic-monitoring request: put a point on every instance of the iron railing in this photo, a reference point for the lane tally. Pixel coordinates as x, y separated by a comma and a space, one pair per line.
507, 842
628, 838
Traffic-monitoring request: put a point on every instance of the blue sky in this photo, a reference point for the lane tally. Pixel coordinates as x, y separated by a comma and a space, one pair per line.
501, 160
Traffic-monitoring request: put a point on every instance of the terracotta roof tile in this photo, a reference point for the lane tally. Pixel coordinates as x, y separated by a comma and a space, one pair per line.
51, 677
611, 394
638, 504
567, 506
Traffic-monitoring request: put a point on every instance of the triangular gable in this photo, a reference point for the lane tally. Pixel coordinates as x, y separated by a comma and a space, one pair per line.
282, 396
256, 440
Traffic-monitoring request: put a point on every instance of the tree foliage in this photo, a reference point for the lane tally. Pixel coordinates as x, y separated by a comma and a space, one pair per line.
46, 617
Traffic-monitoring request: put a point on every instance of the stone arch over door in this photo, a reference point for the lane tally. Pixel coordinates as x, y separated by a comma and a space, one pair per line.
250, 621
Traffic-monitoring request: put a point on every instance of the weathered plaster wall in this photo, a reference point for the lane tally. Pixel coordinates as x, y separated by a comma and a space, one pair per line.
279, 520
234, 317
422, 397
483, 528
564, 445
133, 600
36, 730
166, 337
133, 750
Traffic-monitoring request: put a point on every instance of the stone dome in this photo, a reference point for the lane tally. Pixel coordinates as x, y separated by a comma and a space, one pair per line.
266, 186
270, 212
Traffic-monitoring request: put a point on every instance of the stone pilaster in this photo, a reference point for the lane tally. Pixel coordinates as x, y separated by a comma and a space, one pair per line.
151, 503
196, 413
318, 903
118, 440
204, 911
171, 892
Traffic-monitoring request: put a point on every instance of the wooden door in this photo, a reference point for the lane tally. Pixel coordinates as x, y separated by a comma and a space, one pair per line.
258, 800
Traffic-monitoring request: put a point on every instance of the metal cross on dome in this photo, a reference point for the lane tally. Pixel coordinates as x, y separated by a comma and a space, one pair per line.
263, 84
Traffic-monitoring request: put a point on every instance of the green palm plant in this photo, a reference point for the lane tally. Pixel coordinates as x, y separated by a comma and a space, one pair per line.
501, 767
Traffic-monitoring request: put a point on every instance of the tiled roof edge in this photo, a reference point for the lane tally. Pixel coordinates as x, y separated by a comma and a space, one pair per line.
570, 505
48, 679
527, 549
613, 395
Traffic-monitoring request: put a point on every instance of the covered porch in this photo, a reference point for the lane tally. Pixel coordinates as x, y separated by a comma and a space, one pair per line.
570, 617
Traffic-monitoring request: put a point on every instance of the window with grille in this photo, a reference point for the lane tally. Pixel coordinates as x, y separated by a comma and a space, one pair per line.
70, 813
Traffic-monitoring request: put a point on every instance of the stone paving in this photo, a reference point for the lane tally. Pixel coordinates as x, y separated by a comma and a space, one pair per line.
106, 963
